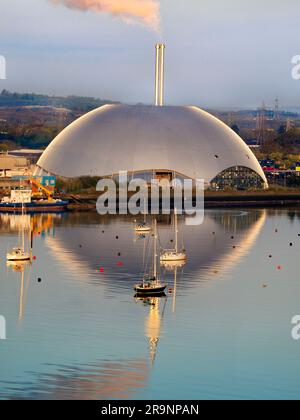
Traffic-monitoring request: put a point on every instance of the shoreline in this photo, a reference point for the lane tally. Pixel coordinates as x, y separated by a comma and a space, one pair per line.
212, 200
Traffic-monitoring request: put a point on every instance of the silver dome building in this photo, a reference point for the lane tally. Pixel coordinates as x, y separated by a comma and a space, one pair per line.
153, 141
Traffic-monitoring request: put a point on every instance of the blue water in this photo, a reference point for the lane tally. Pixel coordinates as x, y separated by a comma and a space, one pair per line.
222, 332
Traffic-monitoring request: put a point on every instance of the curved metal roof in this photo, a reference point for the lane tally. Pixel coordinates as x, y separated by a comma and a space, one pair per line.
117, 138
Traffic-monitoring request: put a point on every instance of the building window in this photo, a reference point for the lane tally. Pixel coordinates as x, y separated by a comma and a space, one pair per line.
237, 178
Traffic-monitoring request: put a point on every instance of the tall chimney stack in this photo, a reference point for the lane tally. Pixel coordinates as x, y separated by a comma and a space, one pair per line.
159, 74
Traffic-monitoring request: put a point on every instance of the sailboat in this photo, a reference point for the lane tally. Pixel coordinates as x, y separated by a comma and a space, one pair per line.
174, 255
19, 254
151, 284
143, 227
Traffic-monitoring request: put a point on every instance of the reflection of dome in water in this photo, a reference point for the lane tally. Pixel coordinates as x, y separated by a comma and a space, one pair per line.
143, 139
205, 250
105, 381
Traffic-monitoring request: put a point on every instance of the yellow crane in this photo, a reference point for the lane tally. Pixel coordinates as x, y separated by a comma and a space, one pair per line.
48, 192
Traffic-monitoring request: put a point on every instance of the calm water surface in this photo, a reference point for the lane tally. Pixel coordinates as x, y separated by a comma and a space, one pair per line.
80, 333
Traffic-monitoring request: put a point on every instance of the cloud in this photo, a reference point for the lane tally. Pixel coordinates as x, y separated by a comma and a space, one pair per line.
146, 12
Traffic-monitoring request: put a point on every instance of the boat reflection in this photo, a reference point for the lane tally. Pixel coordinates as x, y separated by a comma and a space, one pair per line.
172, 265
24, 268
153, 322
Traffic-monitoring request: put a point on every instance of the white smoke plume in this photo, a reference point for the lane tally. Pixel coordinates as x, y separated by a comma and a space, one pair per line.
146, 12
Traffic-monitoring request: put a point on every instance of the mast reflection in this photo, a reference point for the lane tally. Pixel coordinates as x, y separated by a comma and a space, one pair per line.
153, 322
24, 268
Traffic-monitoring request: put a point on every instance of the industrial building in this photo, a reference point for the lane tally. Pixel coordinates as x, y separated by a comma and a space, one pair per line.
31, 154
153, 141
13, 165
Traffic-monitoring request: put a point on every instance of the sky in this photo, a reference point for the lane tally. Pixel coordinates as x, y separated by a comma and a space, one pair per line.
220, 53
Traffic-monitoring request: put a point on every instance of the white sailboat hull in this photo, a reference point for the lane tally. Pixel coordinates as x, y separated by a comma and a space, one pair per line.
171, 256
142, 228
17, 258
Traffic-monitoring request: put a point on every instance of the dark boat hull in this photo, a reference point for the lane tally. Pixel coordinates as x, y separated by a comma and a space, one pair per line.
151, 291
154, 295
34, 207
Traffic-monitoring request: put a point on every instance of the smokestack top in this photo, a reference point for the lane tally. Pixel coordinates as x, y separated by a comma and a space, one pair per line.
159, 74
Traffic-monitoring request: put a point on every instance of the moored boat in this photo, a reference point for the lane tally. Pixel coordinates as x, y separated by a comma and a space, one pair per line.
18, 255
143, 227
174, 255
23, 197
151, 285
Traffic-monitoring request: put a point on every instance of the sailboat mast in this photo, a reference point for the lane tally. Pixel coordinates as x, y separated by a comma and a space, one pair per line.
21, 304
22, 222
176, 231
145, 211
175, 290
155, 249
31, 238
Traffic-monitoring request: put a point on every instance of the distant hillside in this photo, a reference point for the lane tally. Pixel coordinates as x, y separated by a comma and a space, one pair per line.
74, 103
